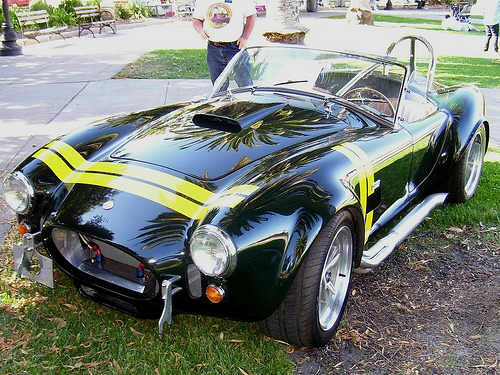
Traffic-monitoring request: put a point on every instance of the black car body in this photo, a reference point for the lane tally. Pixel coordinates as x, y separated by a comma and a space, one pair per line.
257, 203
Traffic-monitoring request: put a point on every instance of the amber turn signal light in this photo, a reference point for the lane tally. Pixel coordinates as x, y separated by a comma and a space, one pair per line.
215, 293
24, 229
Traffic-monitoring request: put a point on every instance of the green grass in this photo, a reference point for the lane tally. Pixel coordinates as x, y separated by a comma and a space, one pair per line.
61, 332
483, 209
482, 72
54, 332
163, 64
190, 64
419, 23
405, 20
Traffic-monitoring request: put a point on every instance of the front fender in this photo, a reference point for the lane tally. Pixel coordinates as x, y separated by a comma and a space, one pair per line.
269, 259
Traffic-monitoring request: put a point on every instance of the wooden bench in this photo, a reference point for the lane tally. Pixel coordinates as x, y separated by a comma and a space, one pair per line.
92, 16
419, 4
37, 22
185, 12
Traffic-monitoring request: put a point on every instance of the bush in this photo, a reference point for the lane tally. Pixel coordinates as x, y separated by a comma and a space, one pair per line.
68, 18
68, 6
42, 5
123, 12
136, 11
140, 11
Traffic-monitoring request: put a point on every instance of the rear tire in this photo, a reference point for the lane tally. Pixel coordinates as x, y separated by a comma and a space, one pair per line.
312, 310
466, 174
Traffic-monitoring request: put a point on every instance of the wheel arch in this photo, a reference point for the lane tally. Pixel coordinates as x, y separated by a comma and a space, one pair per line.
467, 107
359, 224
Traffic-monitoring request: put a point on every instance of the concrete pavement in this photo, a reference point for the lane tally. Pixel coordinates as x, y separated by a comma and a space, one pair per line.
58, 86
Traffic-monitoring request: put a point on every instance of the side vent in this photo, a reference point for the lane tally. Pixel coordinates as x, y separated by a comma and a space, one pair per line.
194, 281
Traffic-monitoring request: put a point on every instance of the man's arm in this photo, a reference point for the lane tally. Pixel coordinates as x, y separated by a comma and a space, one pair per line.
198, 26
250, 23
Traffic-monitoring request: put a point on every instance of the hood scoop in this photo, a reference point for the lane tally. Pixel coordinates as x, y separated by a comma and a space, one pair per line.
248, 117
217, 122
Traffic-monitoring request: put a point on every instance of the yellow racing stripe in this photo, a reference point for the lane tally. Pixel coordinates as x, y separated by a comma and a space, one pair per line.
70, 167
365, 175
370, 179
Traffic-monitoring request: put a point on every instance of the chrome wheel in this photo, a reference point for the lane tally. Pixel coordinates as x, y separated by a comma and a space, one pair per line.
312, 310
474, 166
465, 175
335, 279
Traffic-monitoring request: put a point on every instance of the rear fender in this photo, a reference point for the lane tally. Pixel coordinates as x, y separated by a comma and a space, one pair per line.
466, 107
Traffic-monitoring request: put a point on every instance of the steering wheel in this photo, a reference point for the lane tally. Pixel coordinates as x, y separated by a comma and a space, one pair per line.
370, 95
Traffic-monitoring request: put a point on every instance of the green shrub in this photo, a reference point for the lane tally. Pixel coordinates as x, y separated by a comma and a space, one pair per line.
68, 6
42, 5
140, 11
67, 18
123, 12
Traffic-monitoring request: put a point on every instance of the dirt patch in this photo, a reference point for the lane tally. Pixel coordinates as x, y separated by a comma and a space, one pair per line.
432, 308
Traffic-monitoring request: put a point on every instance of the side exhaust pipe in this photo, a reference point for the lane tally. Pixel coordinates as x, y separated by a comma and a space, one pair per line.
385, 246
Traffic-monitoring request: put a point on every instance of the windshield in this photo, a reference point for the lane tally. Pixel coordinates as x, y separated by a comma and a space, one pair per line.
373, 83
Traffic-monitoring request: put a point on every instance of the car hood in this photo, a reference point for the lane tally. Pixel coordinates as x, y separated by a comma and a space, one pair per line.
210, 140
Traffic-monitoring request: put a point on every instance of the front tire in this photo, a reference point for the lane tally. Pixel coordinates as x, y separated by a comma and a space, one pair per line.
466, 174
312, 310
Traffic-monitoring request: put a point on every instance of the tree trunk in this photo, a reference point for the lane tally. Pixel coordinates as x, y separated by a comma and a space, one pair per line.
360, 13
283, 24
312, 5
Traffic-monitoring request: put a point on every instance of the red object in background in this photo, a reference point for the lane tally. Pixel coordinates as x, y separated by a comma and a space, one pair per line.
21, 3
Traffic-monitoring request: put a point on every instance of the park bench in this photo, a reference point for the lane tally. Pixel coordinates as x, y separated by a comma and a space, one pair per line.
88, 17
419, 4
185, 12
37, 22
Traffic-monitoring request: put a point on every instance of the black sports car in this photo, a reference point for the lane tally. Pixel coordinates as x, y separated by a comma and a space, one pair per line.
259, 202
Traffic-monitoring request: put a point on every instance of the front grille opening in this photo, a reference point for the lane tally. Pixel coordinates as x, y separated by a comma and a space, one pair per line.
108, 300
105, 262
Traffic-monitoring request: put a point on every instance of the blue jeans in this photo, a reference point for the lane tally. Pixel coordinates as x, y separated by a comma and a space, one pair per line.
492, 31
219, 57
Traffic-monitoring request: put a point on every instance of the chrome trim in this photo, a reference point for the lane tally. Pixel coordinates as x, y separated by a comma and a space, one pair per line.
385, 246
225, 240
112, 278
167, 291
23, 260
221, 291
30, 190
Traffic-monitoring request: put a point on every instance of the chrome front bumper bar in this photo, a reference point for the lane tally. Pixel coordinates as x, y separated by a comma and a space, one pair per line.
168, 289
30, 263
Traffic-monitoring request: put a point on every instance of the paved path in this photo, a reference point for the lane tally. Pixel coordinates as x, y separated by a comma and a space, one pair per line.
60, 85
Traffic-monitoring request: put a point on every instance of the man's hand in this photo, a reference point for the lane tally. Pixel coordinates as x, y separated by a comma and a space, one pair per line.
242, 42
247, 30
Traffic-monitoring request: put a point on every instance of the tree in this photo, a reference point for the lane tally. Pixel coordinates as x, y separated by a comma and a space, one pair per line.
283, 22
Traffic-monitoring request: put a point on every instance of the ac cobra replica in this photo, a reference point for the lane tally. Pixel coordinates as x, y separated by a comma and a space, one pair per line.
258, 202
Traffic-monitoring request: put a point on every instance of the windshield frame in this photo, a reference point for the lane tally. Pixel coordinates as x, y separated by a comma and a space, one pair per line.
371, 63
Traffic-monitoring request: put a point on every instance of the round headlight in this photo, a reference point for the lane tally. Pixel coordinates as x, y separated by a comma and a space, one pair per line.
18, 192
212, 251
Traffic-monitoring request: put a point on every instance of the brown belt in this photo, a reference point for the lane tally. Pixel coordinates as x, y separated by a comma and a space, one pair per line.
221, 44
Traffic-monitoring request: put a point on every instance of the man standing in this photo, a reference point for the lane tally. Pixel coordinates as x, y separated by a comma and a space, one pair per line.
491, 22
227, 25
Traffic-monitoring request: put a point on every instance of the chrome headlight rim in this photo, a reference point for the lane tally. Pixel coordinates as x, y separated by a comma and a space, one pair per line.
27, 191
228, 247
